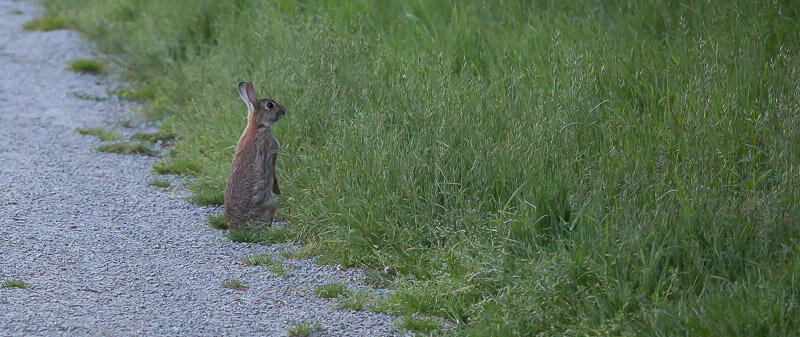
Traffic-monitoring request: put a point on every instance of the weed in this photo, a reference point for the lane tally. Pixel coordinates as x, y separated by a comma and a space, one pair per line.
159, 183
50, 22
100, 133
233, 284
305, 329
127, 148
331, 290
217, 221
16, 283
87, 66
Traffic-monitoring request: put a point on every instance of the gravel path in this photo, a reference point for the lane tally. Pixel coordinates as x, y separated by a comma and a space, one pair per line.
105, 253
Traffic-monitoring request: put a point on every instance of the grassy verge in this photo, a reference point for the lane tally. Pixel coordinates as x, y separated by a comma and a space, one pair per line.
529, 167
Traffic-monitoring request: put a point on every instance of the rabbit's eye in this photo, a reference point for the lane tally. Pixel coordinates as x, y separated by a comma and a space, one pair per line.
270, 105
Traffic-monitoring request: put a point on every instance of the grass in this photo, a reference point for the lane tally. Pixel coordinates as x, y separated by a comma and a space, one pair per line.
16, 11
128, 124
530, 167
280, 269
86, 97
264, 259
331, 290
233, 284
260, 234
378, 279
127, 148
304, 251
16, 283
142, 92
418, 324
100, 133
305, 329
273, 264
217, 221
356, 300
87, 66
153, 138
159, 183
45, 23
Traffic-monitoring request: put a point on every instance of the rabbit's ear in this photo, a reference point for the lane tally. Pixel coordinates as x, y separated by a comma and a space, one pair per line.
248, 95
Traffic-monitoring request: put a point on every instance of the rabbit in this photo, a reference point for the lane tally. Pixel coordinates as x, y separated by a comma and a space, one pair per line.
252, 180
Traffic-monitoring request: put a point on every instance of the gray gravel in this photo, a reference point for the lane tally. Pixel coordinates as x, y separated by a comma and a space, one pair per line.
105, 253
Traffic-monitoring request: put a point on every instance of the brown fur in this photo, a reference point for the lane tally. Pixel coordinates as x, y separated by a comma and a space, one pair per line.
252, 180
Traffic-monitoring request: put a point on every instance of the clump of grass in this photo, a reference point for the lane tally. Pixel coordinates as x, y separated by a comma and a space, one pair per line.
152, 138
233, 284
86, 97
217, 221
264, 259
331, 290
305, 329
91, 66
142, 92
159, 183
177, 166
355, 300
203, 196
16, 11
15, 283
128, 124
417, 323
449, 297
100, 133
378, 279
274, 265
45, 23
280, 269
289, 253
127, 148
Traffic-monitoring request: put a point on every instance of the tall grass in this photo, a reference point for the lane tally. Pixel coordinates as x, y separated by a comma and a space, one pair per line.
530, 167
